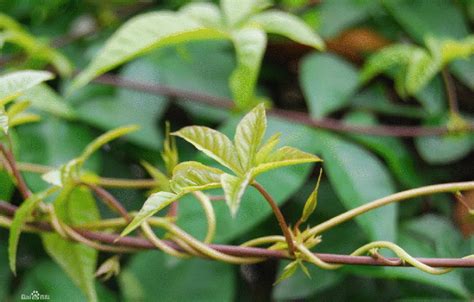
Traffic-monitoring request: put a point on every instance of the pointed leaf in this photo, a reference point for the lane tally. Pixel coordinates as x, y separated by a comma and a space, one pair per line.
106, 138
161, 178
234, 188
17, 82
212, 143
237, 11
21, 216
206, 14
285, 156
281, 23
153, 204
194, 176
267, 148
385, 59
76, 259
288, 271
250, 45
3, 121
312, 201
249, 135
420, 70
142, 34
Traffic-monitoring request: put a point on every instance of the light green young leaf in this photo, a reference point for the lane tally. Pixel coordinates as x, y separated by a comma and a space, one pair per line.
3, 121
17, 82
250, 46
21, 216
212, 143
77, 260
288, 271
312, 201
142, 34
385, 59
46, 99
454, 49
153, 204
17, 108
206, 14
285, 156
287, 25
234, 188
267, 148
24, 118
237, 11
170, 152
193, 176
249, 135
160, 177
420, 70
104, 139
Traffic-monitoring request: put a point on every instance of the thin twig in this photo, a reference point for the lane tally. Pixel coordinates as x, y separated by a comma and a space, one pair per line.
451, 92
21, 184
177, 95
279, 216
110, 201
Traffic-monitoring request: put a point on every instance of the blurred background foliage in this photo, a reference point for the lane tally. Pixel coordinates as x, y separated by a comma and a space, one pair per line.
358, 168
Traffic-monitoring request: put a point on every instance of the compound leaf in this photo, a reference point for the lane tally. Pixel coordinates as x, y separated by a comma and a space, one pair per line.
285, 156
194, 176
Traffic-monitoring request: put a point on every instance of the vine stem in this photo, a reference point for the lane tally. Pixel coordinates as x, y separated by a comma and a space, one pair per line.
102, 181
451, 92
176, 94
240, 251
428, 190
21, 184
279, 216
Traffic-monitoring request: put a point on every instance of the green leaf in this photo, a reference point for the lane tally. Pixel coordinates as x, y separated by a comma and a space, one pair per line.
395, 154
21, 216
237, 11
207, 14
151, 276
194, 176
3, 121
285, 156
47, 278
281, 23
77, 260
154, 203
142, 34
386, 59
328, 82
250, 46
312, 201
288, 271
18, 82
106, 138
249, 135
421, 68
234, 188
267, 148
359, 177
421, 18
46, 99
156, 174
444, 149
212, 143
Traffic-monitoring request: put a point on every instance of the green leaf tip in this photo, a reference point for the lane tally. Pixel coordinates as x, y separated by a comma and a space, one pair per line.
312, 201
